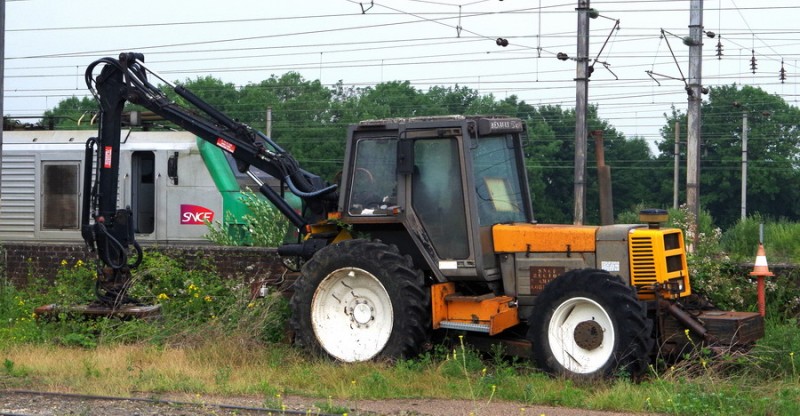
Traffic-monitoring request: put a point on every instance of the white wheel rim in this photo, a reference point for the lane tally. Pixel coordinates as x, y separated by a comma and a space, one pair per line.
351, 314
562, 338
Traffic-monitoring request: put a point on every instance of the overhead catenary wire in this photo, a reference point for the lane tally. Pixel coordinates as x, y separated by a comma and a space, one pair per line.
486, 79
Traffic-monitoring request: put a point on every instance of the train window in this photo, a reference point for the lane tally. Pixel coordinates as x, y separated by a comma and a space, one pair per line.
60, 195
143, 191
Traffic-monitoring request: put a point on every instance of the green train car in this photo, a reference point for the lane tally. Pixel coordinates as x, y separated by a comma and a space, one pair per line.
174, 182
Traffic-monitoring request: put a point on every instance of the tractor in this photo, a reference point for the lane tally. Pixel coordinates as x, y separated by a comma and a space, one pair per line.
430, 229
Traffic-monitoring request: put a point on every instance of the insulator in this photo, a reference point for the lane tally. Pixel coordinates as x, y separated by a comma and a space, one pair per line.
782, 73
719, 48
753, 64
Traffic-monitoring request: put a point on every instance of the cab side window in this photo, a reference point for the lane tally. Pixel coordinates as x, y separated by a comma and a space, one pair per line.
374, 178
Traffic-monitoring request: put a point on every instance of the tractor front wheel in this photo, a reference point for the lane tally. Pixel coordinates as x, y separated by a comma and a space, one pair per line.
587, 324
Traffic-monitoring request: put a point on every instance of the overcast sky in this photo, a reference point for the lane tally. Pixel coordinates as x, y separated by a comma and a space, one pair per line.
49, 43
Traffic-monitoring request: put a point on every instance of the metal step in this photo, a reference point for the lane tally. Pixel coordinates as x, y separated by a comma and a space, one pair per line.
464, 326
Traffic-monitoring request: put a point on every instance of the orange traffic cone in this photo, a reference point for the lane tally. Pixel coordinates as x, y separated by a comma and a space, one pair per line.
760, 271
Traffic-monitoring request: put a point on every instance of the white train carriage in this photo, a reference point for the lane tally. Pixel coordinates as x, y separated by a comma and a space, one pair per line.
173, 181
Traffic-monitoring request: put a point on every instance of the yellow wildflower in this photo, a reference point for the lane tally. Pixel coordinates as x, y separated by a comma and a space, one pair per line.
162, 296
208, 298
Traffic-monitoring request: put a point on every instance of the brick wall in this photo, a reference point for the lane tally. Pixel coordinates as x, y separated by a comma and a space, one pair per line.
254, 264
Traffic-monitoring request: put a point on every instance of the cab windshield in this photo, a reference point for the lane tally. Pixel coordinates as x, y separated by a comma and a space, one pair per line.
497, 181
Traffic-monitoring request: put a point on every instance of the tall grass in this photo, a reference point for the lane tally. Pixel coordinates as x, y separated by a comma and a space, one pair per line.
215, 338
699, 386
781, 240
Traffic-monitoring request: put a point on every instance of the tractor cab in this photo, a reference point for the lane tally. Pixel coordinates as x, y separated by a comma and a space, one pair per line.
440, 183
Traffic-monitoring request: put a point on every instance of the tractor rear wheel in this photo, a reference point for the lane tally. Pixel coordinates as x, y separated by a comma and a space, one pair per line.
587, 324
361, 300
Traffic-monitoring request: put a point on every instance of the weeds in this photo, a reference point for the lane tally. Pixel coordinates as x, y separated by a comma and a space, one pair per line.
330, 407
12, 370
196, 305
215, 338
262, 226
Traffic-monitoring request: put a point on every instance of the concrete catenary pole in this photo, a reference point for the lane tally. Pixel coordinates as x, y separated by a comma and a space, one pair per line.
694, 91
581, 104
744, 165
2, 73
269, 122
603, 180
676, 170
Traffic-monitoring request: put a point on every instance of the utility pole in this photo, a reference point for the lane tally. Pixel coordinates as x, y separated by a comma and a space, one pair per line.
581, 104
676, 171
744, 165
603, 180
695, 93
2, 73
269, 122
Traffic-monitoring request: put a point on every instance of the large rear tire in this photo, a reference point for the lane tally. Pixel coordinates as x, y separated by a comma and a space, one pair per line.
589, 324
361, 300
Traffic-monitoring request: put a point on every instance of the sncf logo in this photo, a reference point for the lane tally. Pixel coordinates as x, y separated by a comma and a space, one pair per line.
195, 215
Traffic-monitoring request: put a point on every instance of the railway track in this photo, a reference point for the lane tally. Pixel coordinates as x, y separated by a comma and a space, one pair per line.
34, 403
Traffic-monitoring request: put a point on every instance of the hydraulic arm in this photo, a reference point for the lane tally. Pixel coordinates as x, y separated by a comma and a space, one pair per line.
111, 232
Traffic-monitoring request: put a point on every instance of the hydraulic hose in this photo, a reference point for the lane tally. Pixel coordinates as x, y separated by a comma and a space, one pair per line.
104, 253
312, 194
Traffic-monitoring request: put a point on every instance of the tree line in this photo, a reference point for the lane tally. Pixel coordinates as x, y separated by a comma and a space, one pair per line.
309, 120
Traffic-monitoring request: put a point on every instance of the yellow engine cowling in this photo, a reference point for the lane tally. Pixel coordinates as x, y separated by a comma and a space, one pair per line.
648, 258
658, 261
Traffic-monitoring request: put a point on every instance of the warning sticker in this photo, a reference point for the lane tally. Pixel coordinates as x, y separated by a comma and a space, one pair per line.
107, 157
226, 145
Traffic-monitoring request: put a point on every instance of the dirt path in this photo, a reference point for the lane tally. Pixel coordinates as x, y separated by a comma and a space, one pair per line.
35, 404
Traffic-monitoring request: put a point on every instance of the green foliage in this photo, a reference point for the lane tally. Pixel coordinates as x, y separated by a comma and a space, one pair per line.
263, 226
71, 113
329, 407
461, 361
73, 284
780, 240
697, 399
190, 296
195, 303
310, 120
550, 163
12, 370
777, 355
773, 183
